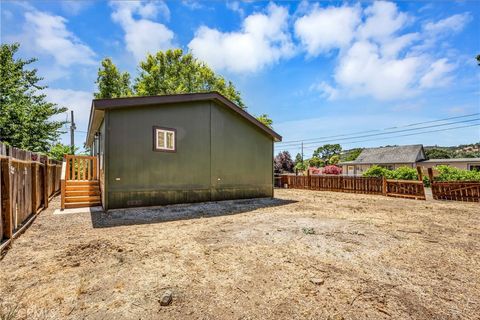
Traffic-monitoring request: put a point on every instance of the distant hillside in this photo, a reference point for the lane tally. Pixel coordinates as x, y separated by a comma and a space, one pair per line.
462, 151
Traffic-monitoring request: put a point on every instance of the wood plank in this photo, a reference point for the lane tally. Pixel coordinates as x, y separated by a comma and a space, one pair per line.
7, 211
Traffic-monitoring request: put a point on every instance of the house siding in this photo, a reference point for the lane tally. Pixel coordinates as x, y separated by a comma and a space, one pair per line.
212, 143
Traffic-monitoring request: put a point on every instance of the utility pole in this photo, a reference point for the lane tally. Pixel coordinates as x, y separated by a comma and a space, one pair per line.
302, 151
72, 133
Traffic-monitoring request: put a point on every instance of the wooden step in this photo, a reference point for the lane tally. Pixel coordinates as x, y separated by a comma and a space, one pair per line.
82, 199
88, 192
82, 188
81, 182
82, 205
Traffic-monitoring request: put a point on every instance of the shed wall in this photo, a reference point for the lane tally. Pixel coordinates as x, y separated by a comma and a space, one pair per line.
212, 143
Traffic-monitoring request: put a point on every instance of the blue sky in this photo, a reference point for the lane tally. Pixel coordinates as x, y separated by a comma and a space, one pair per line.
317, 69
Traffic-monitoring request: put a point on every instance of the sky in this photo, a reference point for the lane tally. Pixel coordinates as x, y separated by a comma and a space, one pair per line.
325, 72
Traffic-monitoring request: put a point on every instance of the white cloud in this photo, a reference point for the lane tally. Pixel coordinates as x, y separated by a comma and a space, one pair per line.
438, 74
48, 34
453, 23
375, 58
236, 7
76, 100
74, 7
363, 71
327, 91
383, 20
324, 29
143, 35
262, 41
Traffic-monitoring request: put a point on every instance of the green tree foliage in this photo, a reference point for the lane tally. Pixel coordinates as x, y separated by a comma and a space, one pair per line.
447, 173
58, 150
263, 118
478, 59
25, 116
111, 82
326, 151
438, 153
352, 154
302, 165
334, 159
283, 162
173, 72
315, 162
298, 158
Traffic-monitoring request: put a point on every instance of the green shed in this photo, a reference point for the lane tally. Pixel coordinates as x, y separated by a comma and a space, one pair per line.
181, 148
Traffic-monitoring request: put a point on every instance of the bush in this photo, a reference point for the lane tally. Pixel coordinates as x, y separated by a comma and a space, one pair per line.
332, 170
377, 172
446, 173
402, 173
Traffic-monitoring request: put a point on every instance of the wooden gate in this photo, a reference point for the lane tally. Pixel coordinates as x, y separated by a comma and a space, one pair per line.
456, 190
409, 189
81, 167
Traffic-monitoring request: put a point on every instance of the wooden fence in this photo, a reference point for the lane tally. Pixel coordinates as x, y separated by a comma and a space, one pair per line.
27, 182
352, 184
405, 189
454, 190
334, 183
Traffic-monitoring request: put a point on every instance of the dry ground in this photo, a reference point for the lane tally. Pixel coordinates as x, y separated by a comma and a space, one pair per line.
370, 257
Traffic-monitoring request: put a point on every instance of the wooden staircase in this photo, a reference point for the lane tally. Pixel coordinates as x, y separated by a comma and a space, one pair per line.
80, 194
79, 183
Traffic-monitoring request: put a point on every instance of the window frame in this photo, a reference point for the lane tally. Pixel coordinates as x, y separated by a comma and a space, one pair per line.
155, 136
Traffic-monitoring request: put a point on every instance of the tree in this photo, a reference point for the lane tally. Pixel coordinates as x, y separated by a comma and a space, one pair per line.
283, 162
112, 83
58, 150
302, 165
173, 72
352, 154
438, 153
478, 59
326, 151
298, 158
265, 120
315, 162
25, 117
334, 159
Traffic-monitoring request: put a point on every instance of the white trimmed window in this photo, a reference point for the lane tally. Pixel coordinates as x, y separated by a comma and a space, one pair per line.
165, 139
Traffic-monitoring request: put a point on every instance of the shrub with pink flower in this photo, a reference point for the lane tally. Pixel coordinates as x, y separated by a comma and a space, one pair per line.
332, 170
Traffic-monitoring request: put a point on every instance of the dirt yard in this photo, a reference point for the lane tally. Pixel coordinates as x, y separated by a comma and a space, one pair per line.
303, 255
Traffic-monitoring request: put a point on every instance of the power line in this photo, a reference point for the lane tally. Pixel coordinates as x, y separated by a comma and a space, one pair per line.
382, 133
408, 134
376, 130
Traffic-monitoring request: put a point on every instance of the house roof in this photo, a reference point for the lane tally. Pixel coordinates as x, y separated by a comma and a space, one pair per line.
100, 105
452, 160
384, 155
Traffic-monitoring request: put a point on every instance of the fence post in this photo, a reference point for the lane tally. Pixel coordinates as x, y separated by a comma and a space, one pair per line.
419, 173
384, 186
34, 187
7, 213
45, 184
430, 175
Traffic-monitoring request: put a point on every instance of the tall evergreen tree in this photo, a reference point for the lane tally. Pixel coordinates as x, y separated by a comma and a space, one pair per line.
25, 117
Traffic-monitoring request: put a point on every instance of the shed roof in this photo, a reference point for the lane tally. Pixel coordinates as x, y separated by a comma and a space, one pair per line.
396, 154
100, 105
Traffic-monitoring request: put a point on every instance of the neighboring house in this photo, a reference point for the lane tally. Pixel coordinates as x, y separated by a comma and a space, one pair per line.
400, 156
460, 163
388, 157
181, 148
